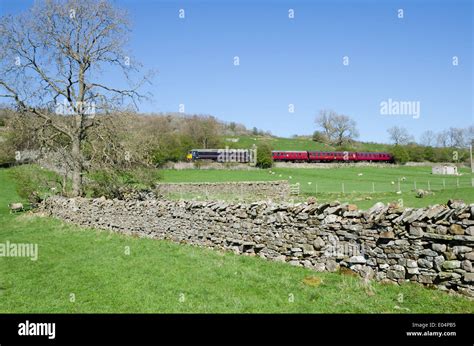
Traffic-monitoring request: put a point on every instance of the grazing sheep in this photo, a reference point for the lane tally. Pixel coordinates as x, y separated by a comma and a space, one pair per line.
393, 183
15, 207
360, 174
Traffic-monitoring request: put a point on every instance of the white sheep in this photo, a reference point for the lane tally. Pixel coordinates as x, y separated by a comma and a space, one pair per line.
15, 207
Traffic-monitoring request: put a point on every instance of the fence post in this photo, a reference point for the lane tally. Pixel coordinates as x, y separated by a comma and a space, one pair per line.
399, 184
343, 188
373, 187
414, 182
444, 183
429, 186
457, 182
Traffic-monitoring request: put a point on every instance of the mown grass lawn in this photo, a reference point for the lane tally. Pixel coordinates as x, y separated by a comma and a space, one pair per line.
159, 276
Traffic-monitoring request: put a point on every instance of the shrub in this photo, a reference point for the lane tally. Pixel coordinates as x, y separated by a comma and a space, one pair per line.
34, 183
117, 183
172, 148
264, 156
415, 153
429, 154
400, 154
320, 137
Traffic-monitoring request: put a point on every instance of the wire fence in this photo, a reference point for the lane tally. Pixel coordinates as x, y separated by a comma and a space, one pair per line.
378, 186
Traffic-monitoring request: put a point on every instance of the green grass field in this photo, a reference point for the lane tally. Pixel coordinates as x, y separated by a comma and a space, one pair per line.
85, 270
328, 184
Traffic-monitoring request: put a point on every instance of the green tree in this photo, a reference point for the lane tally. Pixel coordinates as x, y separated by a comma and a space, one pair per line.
415, 152
400, 154
264, 156
429, 154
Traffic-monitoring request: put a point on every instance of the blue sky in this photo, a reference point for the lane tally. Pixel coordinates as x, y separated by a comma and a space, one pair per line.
300, 61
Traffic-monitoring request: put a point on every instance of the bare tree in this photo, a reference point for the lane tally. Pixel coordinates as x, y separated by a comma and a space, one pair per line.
469, 135
338, 128
51, 58
399, 135
456, 137
324, 121
204, 130
428, 138
442, 139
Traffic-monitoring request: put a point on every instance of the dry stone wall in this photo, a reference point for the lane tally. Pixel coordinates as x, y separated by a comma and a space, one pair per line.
255, 190
432, 246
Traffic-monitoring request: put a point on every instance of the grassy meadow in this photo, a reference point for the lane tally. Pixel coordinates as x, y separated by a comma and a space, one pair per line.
363, 186
85, 271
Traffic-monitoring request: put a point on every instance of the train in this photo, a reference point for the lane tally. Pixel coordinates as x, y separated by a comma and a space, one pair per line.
245, 156
223, 155
331, 156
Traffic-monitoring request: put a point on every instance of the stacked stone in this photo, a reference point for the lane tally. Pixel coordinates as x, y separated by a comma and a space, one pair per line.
432, 246
254, 190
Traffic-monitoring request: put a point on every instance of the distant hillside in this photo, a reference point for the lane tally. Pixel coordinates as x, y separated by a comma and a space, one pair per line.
299, 143
402, 153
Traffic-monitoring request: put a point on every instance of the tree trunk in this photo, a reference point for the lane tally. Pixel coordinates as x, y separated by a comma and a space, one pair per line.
76, 168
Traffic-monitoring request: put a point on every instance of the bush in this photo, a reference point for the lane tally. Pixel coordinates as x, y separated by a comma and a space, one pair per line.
118, 183
34, 183
172, 148
264, 156
320, 137
105, 183
7, 154
415, 153
400, 154
429, 154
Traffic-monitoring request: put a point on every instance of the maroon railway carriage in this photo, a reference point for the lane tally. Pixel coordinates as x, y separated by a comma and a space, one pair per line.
294, 156
385, 157
330, 156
